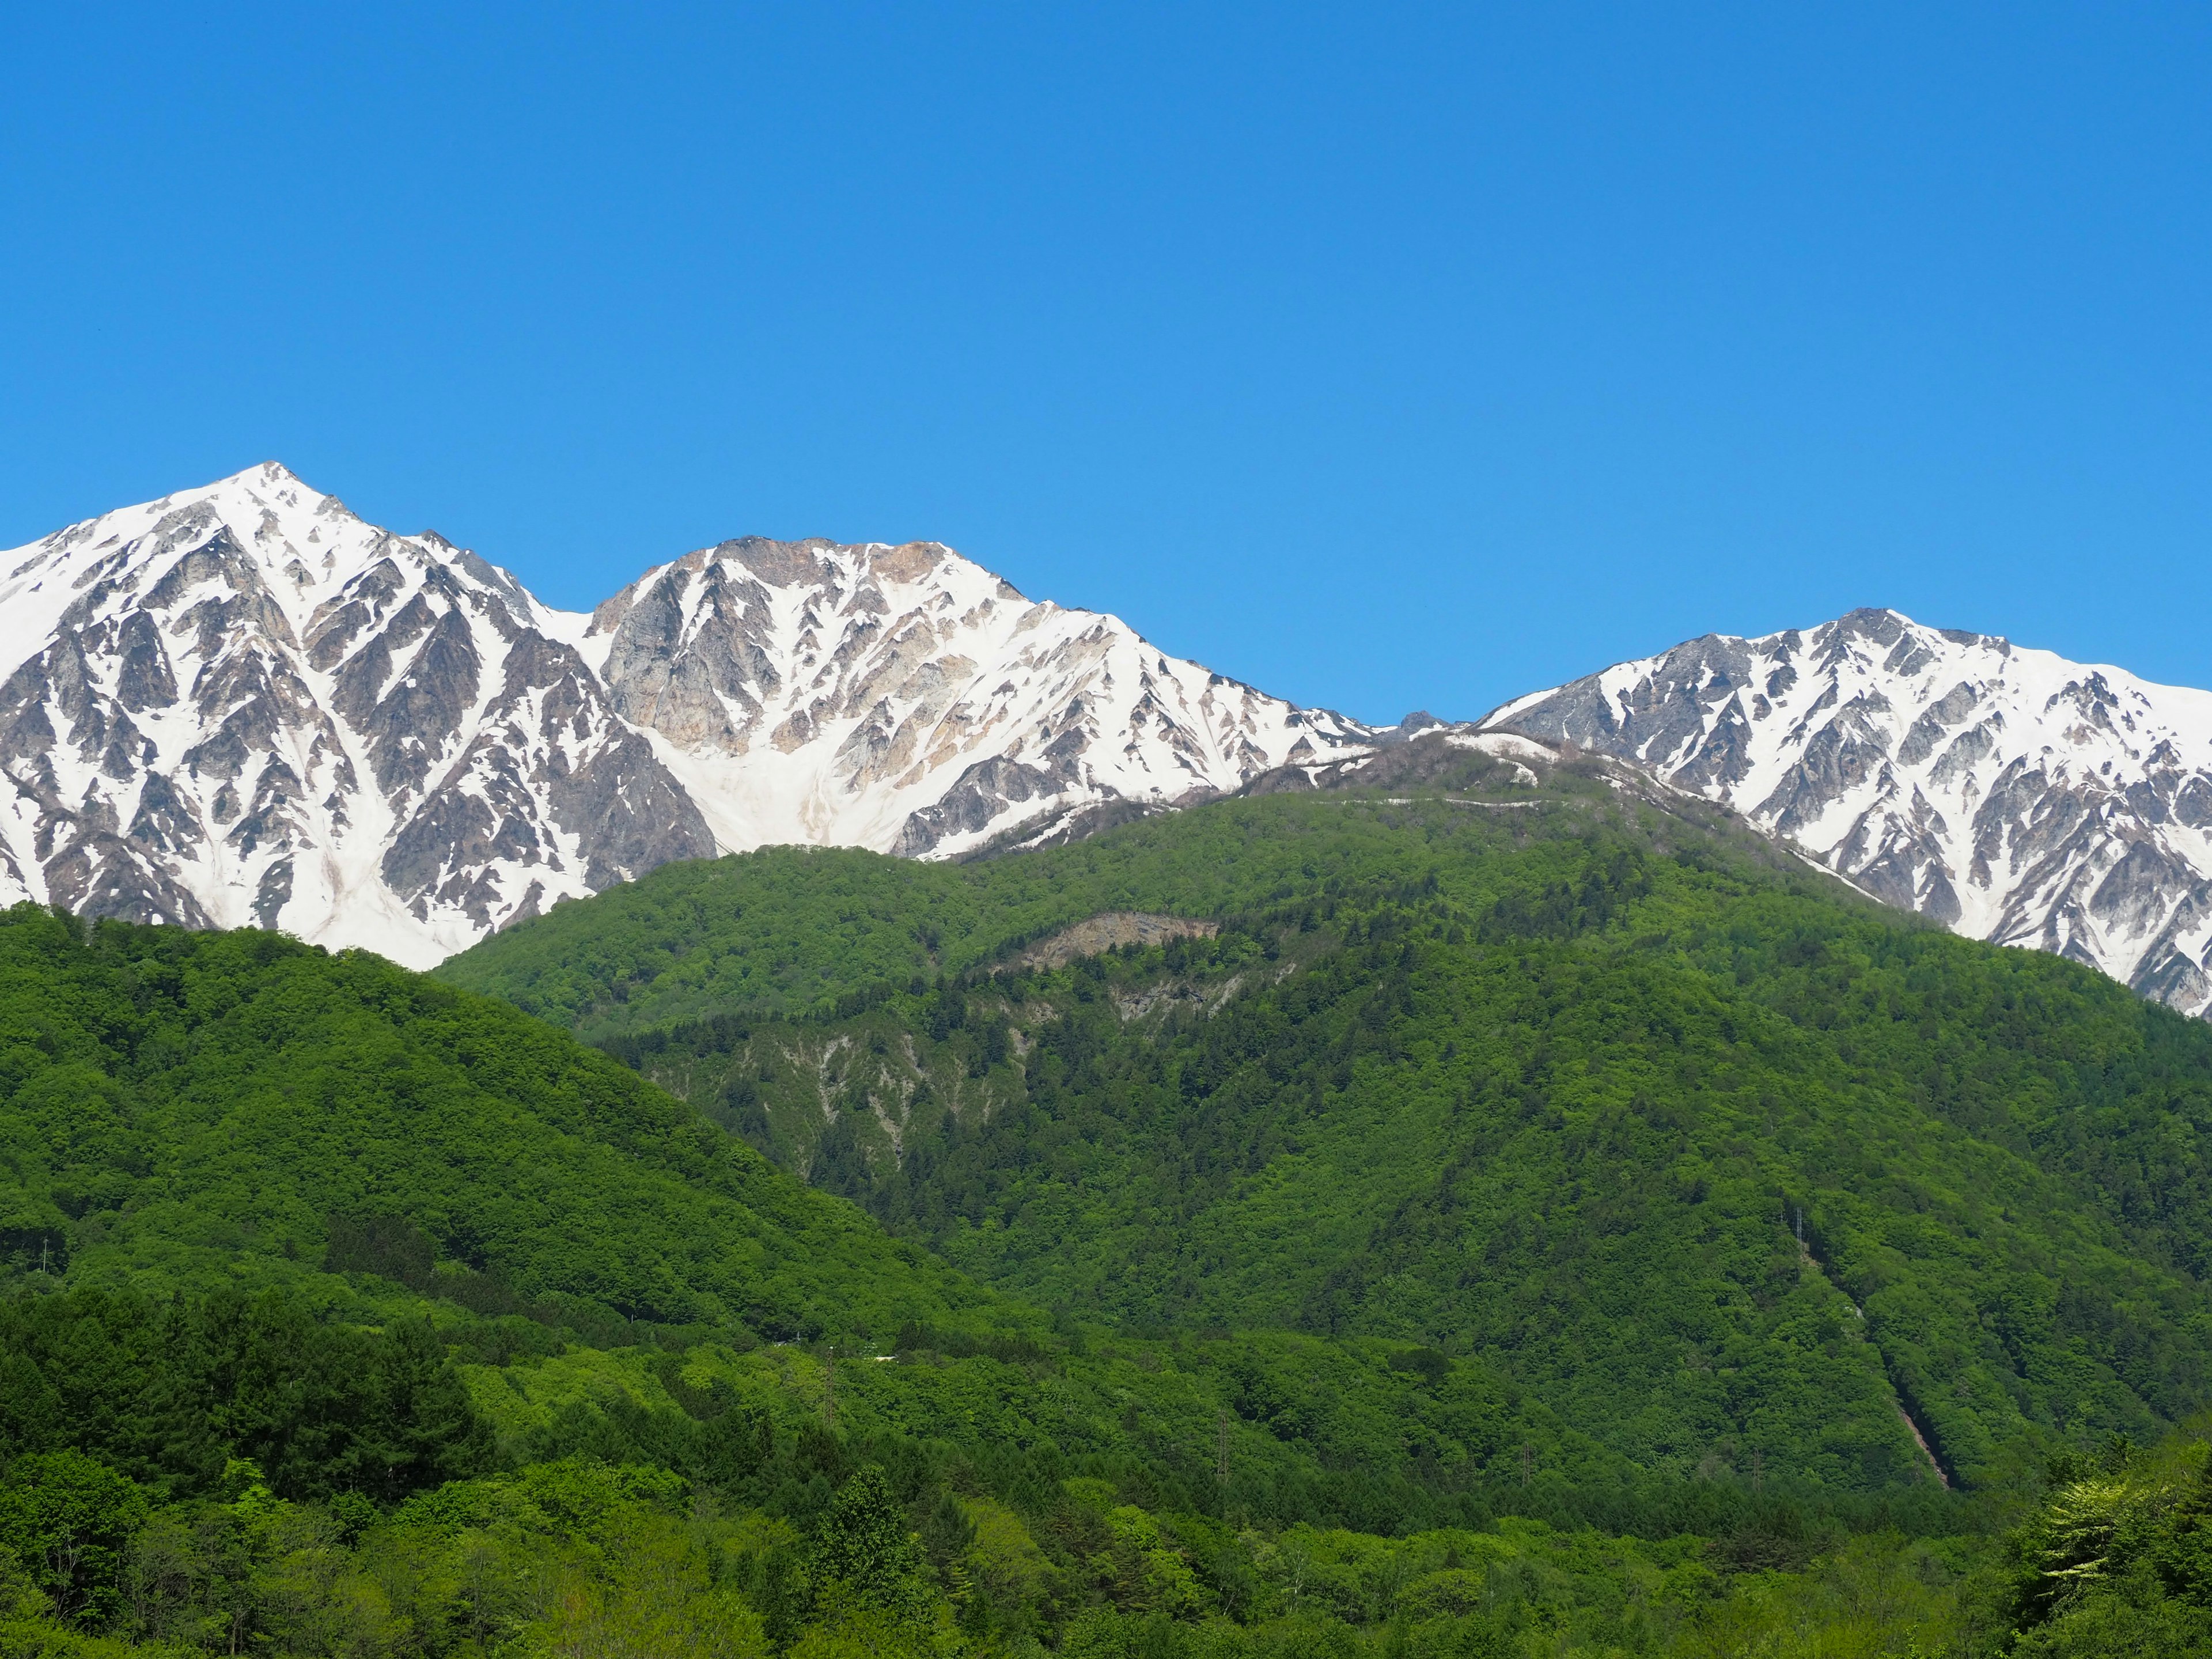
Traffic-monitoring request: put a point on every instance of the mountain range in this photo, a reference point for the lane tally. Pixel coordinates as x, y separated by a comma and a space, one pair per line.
1453, 1188
244, 704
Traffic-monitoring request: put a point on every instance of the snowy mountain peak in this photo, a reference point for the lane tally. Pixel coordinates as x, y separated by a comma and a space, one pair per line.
2007, 791
905, 698
244, 704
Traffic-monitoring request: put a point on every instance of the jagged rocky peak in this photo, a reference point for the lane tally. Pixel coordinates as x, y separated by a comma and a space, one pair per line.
700, 648
2007, 791
244, 704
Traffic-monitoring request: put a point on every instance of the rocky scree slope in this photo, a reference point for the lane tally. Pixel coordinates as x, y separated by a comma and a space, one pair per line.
2009, 794
243, 704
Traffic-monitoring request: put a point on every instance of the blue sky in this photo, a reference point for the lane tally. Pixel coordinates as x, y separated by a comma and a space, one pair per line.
1386, 356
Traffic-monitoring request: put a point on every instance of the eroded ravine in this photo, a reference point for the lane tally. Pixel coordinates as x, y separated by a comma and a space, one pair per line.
1807, 1257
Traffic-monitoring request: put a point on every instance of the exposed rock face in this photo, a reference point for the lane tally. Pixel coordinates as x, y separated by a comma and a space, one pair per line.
243, 705
2009, 794
1110, 931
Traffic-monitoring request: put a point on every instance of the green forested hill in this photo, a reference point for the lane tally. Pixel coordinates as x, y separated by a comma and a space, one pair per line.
300, 1256
1549, 1088
195, 1114
796, 930
181, 1110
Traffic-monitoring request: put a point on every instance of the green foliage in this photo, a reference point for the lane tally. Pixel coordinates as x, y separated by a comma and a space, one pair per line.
1510, 1231
2119, 1558
581, 1557
802, 931
1352, 1442
543, 1497
871, 1541
179, 1109
171, 1394
865, 1555
66, 1517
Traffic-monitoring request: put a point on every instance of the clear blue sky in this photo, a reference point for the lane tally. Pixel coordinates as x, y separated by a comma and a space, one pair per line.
1383, 356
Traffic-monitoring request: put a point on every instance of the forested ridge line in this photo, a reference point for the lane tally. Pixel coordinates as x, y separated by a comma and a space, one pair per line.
179, 1108
789, 931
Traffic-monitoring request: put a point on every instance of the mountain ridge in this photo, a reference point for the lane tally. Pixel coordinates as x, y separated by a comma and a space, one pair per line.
2006, 791
242, 703
1491, 1064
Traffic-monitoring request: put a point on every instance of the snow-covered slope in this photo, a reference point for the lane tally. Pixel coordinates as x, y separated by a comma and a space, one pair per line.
2008, 792
243, 704
904, 699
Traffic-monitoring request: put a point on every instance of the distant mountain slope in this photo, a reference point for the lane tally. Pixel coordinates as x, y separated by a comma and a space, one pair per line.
793, 931
1535, 1064
208, 1139
243, 704
2009, 794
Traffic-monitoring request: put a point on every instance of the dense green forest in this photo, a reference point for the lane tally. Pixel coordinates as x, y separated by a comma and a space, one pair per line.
185, 1109
1483, 1215
229, 1474
800, 931
1589, 1105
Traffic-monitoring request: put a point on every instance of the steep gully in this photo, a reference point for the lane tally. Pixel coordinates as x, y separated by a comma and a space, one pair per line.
1807, 1258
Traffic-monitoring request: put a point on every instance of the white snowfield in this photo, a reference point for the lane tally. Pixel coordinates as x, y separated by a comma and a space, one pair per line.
243, 705
2012, 794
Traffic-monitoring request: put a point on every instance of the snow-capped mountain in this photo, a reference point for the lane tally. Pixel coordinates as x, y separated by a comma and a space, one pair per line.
904, 699
243, 704
2012, 794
